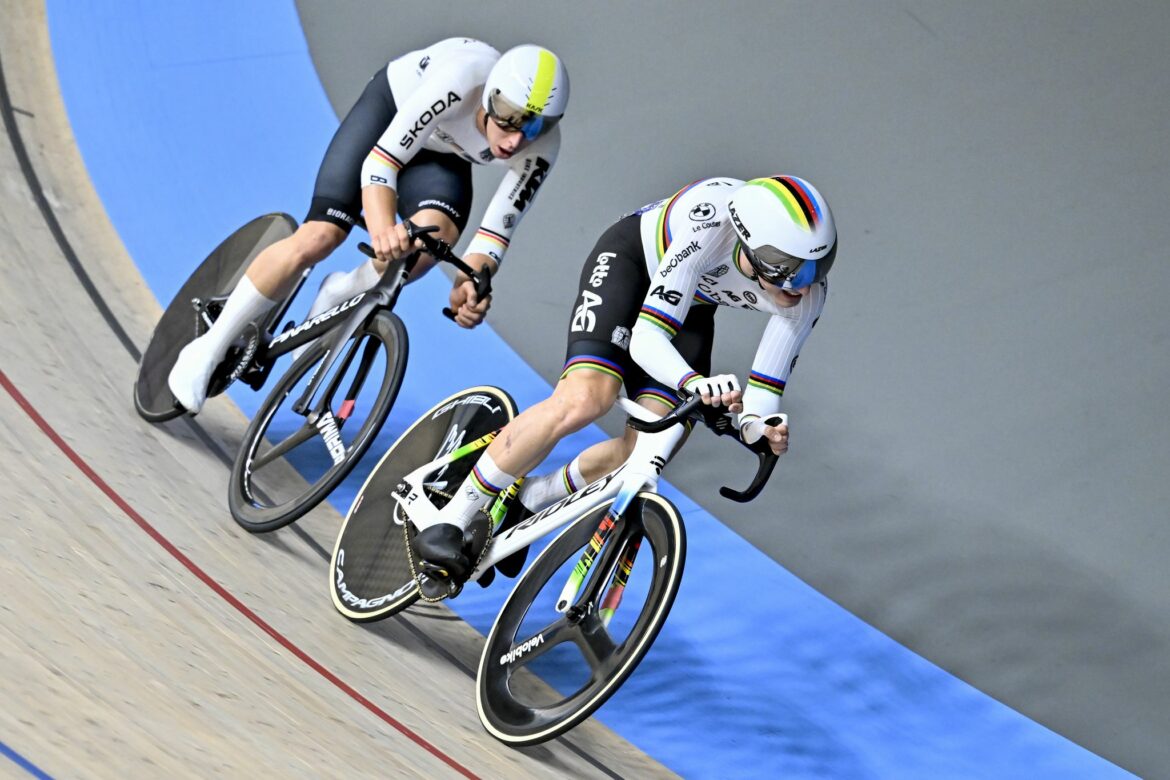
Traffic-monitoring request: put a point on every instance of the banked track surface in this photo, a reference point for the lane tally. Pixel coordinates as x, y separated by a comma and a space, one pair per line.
143, 635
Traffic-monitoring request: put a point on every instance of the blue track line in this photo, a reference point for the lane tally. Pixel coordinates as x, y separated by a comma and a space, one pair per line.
24, 763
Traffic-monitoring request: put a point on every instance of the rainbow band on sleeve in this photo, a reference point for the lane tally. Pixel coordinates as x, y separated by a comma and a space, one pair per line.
661, 319
765, 382
492, 236
662, 232
594, 363
801, 206
688, 377
384, 157
482, 485
701, 298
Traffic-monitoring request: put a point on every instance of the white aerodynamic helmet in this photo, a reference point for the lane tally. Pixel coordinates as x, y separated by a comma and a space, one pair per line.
527, 89
786, 230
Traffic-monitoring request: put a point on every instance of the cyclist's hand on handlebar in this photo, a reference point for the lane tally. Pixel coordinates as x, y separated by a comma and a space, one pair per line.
469, 310
774, 429
720, 390
392, 243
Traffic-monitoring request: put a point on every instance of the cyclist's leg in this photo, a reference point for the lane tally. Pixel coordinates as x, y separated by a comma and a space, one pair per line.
598, 343
433, 189
332, 213
694, 342
577, 400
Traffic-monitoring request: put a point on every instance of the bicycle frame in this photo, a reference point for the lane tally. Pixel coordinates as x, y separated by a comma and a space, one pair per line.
640, 472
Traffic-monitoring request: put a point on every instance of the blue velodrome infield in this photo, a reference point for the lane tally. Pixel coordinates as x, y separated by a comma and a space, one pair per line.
193, 118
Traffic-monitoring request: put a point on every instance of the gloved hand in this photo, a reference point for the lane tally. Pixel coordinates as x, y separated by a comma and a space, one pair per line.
774, 428
720, 390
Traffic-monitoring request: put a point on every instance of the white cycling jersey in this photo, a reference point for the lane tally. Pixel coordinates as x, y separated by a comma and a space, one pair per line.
437, 91
691, 247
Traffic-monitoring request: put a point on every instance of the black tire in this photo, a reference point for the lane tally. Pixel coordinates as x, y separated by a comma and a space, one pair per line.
266, 507
528, 631
370, 576
179, 325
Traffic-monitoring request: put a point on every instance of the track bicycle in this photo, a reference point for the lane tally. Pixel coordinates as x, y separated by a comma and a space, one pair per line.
325, 410
562, 619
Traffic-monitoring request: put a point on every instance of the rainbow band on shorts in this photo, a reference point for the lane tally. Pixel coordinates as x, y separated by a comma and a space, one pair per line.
594, 363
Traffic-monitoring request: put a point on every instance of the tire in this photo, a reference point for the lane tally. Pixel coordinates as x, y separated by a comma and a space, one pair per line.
518, 710
266, 507
179, 325
370, 576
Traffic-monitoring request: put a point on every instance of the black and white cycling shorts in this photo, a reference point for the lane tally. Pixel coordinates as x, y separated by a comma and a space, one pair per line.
610, 293
430, 180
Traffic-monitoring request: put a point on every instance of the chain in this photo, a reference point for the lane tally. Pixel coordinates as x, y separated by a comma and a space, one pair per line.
414, 575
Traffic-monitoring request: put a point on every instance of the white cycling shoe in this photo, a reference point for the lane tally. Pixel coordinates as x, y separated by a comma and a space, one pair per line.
189, 378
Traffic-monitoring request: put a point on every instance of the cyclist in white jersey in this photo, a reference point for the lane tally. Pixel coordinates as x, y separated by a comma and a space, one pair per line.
645, 317
406, 148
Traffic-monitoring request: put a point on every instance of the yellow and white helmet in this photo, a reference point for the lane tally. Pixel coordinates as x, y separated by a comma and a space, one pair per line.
527, 89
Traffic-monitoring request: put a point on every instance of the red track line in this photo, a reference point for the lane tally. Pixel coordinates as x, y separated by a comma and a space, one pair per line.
223, 593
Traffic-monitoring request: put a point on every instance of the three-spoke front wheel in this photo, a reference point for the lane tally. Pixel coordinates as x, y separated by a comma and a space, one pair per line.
359, 392
583, 648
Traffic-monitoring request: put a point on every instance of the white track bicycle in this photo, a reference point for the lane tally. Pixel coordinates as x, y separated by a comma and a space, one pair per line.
562, 619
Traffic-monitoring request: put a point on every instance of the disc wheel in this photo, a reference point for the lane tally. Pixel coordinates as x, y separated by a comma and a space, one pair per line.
370, 577
581, 654
360, 390
184, 320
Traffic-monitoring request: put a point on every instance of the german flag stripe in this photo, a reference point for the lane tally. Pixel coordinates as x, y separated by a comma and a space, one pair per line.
491, 235
383, 156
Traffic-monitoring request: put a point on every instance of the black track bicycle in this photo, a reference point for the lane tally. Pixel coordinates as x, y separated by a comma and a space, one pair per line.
325, 410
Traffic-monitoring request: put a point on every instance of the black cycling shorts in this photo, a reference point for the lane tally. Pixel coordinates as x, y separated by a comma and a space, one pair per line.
613, 285
430, 180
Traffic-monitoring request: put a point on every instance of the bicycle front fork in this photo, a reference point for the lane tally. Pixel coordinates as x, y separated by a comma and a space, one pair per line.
580, 571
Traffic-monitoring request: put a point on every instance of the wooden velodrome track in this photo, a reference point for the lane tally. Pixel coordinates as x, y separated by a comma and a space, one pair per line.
144, 634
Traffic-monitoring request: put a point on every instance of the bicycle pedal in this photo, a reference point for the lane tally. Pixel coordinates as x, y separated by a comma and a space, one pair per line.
435, 587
